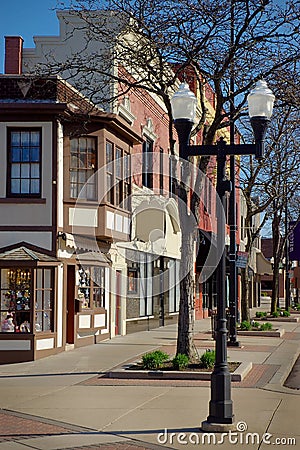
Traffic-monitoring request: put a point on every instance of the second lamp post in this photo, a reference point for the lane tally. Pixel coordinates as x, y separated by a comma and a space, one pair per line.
184, 104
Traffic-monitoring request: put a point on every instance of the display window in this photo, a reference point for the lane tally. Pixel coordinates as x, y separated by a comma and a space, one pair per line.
91, 283
16, 300
27, 304
44, 300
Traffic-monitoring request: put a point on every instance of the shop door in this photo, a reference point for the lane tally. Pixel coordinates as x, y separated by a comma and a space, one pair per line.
118, 303
70, 303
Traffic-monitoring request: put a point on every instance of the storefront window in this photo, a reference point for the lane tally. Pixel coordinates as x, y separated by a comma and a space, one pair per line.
44, 300
16, 300
91, 287
132, 281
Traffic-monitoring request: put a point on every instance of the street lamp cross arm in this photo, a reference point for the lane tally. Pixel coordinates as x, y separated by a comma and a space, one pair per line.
209, 150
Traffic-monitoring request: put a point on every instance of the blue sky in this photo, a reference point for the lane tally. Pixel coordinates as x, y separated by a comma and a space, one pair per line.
26, 18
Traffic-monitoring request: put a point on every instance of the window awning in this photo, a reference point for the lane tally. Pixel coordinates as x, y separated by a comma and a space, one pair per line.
263, 266
83, 242
150, 217
87, 249
24, 255
93, 259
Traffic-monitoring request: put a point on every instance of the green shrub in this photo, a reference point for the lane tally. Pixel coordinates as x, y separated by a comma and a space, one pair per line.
180, 361
245, 325
260, 314
285, 313
275, 314
255, 324
297, 306
154, 360
266, 326
207, 360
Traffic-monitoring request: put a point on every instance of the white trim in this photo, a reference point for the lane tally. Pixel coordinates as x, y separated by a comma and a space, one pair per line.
44, 344
59, 313
126, 114
140, 318
84, 321
99, 320
60, 176
148, 131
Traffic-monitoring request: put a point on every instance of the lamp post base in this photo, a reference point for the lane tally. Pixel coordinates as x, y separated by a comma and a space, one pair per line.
217, 427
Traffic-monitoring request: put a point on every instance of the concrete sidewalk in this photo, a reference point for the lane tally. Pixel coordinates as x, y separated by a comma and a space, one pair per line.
62, 402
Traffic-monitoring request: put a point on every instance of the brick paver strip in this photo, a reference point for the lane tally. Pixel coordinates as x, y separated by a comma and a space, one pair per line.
259, 375
103, 380
16, 426
291, 335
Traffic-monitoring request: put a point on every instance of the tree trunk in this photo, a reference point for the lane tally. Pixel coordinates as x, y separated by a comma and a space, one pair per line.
276, 257
275, 289
245, 294
186, 306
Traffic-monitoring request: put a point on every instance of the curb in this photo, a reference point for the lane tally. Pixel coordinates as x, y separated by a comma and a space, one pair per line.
276, 319
279, 333
238, 375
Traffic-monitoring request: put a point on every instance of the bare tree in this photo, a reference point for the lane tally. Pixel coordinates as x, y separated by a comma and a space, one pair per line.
148, 45
273, 185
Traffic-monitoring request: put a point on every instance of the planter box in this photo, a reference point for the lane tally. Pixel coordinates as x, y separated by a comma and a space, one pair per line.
272, 333
276, 319
238, 375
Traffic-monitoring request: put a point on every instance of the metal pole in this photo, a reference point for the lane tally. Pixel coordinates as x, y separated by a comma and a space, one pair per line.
220, 406
233, 303
287, 260
161, 291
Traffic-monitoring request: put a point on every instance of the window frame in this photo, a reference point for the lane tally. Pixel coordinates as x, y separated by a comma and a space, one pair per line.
132, 280
92, 287
9, 163
31, 286
110, 172
119, 176
147, 175
42, 310
85, 169
120, 180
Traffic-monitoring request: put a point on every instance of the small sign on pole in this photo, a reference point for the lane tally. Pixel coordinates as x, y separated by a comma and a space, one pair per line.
242, 259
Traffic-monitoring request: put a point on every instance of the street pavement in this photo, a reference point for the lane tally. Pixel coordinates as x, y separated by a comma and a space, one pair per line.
65, 401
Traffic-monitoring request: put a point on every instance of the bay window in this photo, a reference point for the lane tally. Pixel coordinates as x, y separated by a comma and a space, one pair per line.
118, 176
82, 167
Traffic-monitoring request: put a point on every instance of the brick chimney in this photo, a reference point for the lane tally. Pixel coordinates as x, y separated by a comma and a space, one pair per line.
13, 55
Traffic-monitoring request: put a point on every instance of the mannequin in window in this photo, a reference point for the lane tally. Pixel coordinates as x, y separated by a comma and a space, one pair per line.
8, 325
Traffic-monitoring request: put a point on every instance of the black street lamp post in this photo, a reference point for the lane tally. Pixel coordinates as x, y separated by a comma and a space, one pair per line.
184, 105
233, 295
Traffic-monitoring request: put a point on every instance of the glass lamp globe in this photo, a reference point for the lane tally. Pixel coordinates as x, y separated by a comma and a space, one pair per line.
184, 103
261, 100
